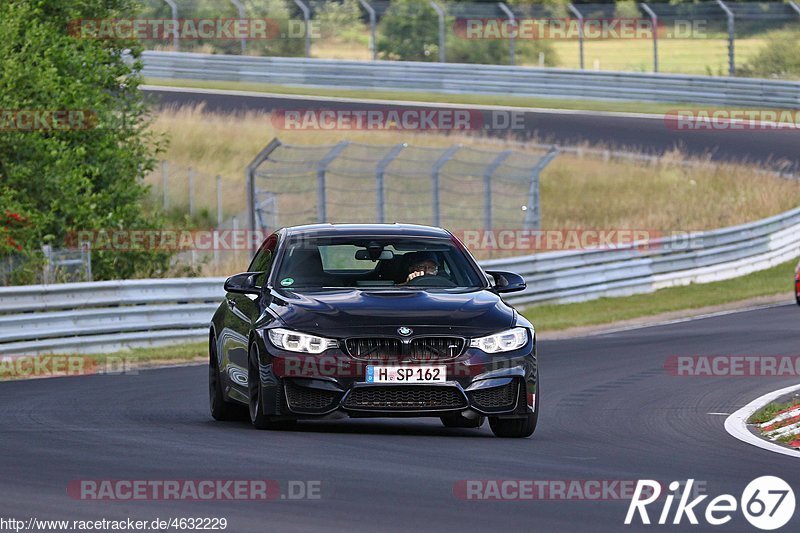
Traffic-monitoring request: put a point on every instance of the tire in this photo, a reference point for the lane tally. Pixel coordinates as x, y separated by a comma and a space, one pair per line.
256, 397
459, 421
516, 428
221, 409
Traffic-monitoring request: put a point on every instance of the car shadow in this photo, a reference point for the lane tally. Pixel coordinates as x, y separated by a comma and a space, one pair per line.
416, 427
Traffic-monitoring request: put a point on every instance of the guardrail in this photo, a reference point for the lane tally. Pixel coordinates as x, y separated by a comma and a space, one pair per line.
717, 255
475, 79
107, 315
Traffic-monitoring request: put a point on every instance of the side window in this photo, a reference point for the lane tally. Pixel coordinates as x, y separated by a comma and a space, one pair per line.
262, 262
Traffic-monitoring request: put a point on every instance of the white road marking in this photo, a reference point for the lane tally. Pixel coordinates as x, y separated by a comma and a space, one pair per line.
736, 424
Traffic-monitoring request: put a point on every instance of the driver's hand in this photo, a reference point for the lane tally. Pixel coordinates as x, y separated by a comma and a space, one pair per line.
416, 274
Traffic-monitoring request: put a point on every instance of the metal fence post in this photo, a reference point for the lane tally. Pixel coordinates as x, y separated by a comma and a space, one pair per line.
487, 187
731, 37
47, 250
435, 170
86, 253
175, 39
240, 8
165, 183
191, 191
322, 167
578, 14
373, 46
250, 179
512, 20
380, 170
440, 13
219, 201
533, 215
306, 23
654, 19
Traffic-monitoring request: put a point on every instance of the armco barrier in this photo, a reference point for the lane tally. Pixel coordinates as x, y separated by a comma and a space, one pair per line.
454, 78
107, 315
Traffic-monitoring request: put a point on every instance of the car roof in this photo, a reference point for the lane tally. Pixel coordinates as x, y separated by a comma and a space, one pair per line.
367, 230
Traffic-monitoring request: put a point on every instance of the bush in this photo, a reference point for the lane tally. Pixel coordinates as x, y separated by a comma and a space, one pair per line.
780, 57
409, 31
342, 22
63, 181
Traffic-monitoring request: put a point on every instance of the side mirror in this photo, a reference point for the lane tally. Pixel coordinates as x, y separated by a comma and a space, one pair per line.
244, 283
506, 281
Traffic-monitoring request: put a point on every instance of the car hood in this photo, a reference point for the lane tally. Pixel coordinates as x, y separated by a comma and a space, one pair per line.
353, 312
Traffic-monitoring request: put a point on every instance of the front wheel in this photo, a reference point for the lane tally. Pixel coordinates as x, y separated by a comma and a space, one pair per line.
518, 428
256, 397
221, 409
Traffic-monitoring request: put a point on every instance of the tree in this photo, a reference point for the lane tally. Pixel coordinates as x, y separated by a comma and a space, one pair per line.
87, 174
409, 31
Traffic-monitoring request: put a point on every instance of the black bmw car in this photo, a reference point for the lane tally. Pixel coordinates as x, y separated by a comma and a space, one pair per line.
378, 320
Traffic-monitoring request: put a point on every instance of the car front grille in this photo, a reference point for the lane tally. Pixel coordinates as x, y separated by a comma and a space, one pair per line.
409, 398
495, 397
375, 349
418, 349
307, 399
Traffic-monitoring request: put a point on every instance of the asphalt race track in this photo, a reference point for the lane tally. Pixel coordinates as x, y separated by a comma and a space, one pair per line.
775, 149
610, 412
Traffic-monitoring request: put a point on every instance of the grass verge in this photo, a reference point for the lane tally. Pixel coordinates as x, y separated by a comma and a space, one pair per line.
554, 317
122, 362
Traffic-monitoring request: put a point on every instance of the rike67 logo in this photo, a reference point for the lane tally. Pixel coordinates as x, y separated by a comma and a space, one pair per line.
767, 502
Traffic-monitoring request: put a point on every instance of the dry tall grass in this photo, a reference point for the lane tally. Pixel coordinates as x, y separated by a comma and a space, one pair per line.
577, 192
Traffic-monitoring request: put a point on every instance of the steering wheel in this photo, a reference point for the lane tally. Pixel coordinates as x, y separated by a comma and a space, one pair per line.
431, 281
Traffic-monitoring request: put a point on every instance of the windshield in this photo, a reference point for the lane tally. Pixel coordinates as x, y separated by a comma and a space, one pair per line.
376, 262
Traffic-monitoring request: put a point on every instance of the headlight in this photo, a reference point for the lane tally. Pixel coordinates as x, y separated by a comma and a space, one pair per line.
512, 339
299, 342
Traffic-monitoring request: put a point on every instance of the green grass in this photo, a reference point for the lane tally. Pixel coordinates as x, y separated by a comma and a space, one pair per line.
680, 56
118, 362
551, 317
475, 99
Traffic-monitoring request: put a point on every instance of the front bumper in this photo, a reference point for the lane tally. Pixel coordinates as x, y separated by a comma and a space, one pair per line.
333, 384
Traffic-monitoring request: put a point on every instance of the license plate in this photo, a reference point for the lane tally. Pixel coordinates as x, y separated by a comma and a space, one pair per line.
406, 374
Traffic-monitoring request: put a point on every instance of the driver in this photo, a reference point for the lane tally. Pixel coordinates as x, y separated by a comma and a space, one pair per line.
422, 264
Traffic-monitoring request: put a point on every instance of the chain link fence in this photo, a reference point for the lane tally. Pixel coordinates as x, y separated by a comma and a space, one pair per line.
362, 29
457, 187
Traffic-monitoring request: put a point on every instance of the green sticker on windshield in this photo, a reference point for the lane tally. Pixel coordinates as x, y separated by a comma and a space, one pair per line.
287, 281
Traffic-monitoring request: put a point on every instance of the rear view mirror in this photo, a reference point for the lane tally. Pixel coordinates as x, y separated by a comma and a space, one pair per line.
363, 255
244, 283
506, 281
